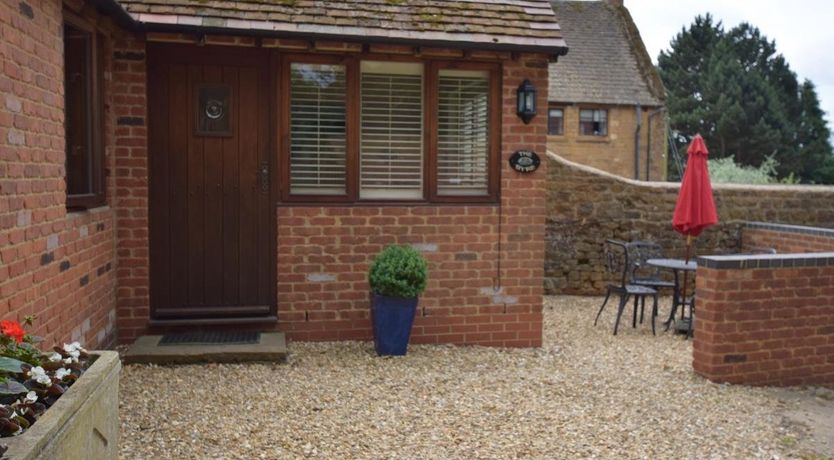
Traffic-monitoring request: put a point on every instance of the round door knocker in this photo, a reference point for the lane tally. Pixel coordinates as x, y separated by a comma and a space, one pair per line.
214, 109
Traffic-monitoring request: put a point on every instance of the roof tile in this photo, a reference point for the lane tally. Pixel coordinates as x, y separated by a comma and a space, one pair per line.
607, 63
510, 24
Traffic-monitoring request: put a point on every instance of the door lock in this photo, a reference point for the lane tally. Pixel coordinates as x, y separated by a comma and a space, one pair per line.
264, 177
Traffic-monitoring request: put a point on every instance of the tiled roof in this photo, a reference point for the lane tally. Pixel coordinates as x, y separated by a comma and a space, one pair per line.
494, 24
607, 63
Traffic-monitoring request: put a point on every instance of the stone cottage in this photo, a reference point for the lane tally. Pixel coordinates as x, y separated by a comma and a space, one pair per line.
606, 99
172, 164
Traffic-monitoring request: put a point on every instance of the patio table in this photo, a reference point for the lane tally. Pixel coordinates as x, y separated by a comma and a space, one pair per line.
678, 298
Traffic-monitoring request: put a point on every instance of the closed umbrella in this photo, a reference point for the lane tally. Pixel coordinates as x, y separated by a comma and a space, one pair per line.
695, 209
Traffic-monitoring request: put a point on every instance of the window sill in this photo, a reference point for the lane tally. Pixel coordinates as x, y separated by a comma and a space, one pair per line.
594, 139
81, 210
388, 203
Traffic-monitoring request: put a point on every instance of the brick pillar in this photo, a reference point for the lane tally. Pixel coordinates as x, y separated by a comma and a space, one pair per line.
131, 185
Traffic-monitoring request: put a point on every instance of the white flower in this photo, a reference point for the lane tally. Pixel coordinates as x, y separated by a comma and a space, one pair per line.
31, 398
55, 357
40, 376
68, 361
61, 373
73, 347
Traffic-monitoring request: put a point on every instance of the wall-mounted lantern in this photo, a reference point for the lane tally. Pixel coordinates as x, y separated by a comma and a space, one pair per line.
526, 101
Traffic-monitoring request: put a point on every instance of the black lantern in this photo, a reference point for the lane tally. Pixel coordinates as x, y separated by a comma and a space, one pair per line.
526, 101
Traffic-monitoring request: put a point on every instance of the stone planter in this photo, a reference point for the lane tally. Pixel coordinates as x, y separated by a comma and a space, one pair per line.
82, 424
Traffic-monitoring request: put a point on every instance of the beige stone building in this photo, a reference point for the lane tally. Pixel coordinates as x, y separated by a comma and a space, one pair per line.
606, 100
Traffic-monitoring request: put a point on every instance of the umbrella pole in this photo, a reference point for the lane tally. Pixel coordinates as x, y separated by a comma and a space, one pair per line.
686, 275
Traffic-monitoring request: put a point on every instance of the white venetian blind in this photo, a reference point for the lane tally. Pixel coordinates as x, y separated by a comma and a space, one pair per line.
463, 133
391, 150
317, 129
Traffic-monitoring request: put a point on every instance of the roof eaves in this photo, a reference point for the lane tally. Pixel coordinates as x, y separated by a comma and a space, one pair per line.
554, 47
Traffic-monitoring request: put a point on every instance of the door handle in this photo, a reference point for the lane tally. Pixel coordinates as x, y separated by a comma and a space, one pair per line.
264, 171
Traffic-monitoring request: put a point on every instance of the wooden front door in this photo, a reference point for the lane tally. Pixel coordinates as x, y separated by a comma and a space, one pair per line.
211, 203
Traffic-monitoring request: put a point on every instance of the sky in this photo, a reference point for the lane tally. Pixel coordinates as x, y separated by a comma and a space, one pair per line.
803, 31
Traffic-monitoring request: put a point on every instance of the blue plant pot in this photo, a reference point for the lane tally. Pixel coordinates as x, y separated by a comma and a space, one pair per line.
392, 319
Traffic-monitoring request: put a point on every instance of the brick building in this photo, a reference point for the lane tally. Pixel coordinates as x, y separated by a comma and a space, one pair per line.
174, 164
606, 100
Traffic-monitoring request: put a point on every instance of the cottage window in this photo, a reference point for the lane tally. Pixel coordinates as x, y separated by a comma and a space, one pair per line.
83, 109
463, 132
556, 122
391, 149
371, 130
318, 134
593, 122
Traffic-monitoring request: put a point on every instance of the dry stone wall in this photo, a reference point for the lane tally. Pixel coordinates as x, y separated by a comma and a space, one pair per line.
587, 206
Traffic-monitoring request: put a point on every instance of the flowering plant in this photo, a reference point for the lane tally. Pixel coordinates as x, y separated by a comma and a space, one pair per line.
31, 380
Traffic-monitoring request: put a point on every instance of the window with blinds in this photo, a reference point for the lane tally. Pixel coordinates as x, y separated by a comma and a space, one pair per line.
318, 143
463, 133
391, 138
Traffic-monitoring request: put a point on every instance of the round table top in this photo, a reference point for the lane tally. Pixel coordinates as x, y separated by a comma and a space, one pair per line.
674, 264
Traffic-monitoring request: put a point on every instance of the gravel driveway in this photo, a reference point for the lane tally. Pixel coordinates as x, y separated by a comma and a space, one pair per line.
584, 394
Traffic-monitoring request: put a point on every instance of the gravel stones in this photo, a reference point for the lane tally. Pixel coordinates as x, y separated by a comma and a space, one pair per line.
584, 394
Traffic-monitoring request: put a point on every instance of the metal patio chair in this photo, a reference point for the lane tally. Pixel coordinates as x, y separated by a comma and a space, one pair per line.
643, 274
617, 262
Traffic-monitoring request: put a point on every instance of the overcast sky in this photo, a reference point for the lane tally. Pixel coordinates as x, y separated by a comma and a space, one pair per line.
803, 31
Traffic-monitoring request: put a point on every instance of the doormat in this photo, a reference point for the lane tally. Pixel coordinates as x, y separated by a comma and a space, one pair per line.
211, 338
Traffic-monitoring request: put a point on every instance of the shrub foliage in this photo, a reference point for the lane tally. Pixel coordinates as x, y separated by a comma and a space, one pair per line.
398, 271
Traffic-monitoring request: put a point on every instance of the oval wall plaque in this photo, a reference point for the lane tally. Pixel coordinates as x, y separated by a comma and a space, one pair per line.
525, 161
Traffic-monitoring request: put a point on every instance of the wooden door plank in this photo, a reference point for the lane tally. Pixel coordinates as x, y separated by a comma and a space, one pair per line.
266, 218
213, 204
177, 153
231, 193
196, 196
158, 192
249, 187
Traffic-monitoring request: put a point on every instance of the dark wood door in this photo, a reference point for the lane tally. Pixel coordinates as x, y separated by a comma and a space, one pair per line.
211, 221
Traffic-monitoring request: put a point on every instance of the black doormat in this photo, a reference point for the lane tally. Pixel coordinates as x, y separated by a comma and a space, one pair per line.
211, 338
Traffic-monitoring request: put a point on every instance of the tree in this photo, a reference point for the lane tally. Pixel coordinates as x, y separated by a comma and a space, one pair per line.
741, 95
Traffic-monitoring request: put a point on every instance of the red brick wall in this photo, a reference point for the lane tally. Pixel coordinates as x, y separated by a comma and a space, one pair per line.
57, 265
324, 253
131, 178
787, 239
766, 326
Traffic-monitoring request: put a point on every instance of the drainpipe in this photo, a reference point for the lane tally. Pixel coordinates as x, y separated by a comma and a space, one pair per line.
637, 142
652, 114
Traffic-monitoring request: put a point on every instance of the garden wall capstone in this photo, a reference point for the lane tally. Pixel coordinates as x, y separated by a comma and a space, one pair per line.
586, 206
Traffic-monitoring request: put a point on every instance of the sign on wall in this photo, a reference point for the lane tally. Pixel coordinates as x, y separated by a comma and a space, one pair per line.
525, 161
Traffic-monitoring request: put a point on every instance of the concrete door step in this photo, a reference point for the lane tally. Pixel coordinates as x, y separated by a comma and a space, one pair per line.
272, 346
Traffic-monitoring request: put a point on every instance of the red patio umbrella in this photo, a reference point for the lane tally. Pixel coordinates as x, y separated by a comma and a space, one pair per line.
695, 209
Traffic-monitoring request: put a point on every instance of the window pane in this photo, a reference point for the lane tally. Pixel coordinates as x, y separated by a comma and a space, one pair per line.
463, 133
317, 129
391, 147
593, 122
555, 122
78, 124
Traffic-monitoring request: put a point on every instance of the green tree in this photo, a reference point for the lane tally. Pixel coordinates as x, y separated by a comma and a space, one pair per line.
734, 88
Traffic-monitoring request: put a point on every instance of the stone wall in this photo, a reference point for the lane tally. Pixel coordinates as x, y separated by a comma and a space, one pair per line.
614, 153
586, 206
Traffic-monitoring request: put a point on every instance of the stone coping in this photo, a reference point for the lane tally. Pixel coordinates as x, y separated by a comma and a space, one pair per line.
818, 190
741, 261
819, 231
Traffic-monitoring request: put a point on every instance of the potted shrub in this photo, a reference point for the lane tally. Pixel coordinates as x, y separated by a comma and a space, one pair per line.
397, 277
